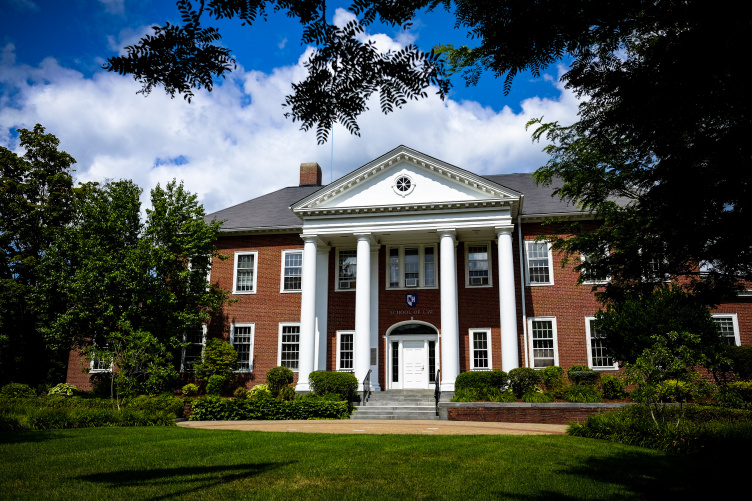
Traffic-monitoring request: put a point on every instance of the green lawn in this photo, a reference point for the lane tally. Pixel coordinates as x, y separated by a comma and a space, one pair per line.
176, 463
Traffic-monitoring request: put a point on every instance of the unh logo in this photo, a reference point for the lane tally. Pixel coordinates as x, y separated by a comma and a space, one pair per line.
412, 300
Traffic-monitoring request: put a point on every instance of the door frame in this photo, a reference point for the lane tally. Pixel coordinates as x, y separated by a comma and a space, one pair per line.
400, 338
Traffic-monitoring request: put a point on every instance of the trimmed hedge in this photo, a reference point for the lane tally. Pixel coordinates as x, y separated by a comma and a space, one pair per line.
523, 379
219, 409
482, 380
326, 382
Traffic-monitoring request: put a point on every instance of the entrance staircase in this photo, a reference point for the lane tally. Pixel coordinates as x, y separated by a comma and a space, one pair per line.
398, 404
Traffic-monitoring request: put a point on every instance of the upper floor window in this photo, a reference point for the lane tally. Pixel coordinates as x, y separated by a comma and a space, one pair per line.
728, 324
412, 266
347, 269
478, 265
598, 355
543, 346
241, 338
292, 271
244, 279
539, 263
590, 276
480, 340
100, 361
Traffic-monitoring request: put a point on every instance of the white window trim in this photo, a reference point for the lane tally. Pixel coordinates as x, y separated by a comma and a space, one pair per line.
92, 370
282, 274
235, 272
487, 331
530, 321
203, 347
527, 265
253, 342
339, 360
606, 280
421, 266
734, 321
282, 325
467, 264
589, 338
336, 270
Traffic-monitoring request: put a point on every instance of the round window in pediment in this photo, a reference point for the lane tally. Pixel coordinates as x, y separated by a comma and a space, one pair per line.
403, 185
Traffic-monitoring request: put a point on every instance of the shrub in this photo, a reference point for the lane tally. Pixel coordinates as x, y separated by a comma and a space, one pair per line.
160, 380
62, 389
240, 392
582, 393
482, 380
582, 374
286, 393
535, 396
738, 394
673, 390
483, 395
277, 378
613, 387
259, 392
553, 380
523, 379
190, 390
220, 359
17, 390
215, 385
215, 408
324, 382
741, 361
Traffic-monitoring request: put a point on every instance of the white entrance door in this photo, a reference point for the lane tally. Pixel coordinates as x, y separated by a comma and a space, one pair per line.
415, 365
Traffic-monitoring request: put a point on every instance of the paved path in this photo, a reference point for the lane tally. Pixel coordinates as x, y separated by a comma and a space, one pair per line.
384, 427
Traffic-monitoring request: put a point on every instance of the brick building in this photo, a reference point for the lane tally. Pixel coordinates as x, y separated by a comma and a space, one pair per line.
405, 266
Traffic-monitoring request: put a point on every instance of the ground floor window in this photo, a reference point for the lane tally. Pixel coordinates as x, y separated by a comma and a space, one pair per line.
728, 324
598, 355
542, 336
241, 338
289, 346
345, 345
193, 349
480, 348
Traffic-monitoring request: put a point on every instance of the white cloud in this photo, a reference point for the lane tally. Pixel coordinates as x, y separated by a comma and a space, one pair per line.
234, 143
114, 6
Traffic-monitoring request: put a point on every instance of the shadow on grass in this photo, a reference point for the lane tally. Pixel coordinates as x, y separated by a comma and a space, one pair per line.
204, 476
35, 436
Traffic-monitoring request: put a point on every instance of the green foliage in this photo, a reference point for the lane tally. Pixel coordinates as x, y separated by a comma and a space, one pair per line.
216, 385
582, 374
286, 393
553, 380
17, 390
277, 378
325, 382
63, 389
737, 394
673, 390
710, 431
190, 390
613, 387
260, 392
482, 380
582, 393
214, 409
524, 379
535, 395
240, 392
220, 359
485, 394
741, 361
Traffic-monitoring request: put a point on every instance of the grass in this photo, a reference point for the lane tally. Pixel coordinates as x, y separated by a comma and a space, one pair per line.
176, 463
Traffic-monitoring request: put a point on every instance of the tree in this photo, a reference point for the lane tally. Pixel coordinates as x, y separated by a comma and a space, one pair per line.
36, 194
665, 112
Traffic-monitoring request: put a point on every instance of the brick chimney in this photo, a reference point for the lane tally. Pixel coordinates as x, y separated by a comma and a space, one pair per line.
310, 174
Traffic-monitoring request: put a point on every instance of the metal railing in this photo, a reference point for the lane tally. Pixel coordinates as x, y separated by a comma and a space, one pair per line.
437, 391
350, 396
366, 387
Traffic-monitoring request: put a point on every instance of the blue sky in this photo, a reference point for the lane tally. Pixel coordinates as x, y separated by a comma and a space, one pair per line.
234, 144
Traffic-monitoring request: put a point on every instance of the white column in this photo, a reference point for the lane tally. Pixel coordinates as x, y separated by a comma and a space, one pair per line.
307, 313
322, 303
450, 340
374, 340
362, 355
510, 350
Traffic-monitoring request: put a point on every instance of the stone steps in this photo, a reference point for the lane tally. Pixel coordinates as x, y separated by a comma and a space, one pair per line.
398, 404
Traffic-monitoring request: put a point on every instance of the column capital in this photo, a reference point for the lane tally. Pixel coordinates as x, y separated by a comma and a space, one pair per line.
315, 239
504, 230
450, 232
366, 236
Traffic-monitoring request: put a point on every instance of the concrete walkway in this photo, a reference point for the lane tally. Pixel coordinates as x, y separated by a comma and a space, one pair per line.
384, 427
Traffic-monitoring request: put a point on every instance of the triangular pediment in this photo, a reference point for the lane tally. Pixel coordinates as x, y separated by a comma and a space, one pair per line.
403, 179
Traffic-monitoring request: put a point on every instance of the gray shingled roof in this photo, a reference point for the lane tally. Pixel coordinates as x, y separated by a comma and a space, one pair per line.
273, 210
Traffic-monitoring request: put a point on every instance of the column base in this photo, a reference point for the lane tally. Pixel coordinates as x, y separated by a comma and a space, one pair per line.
447, 387
303, 387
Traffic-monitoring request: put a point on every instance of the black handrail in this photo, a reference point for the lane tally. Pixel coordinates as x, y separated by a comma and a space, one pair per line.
350, 396
367, 387
437, 391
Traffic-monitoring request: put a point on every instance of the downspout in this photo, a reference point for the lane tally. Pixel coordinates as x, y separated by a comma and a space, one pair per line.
522, 287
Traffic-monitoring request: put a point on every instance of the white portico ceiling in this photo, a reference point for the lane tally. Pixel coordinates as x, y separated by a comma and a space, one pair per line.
406, 180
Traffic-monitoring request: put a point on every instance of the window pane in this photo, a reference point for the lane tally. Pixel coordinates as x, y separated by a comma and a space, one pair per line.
480, 350
543, 343
290, 346
412, 267
726, 325
429, 279
348, 266
477, 261
598, 351
538, 262
346, 352
293, 271
244, 272
394, 268
395, 362
242, 338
